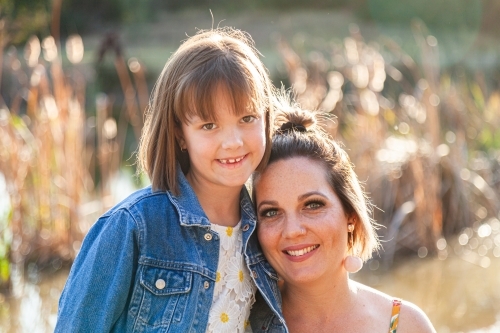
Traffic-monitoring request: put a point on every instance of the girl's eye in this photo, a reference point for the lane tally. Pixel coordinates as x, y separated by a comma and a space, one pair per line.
209, 126
248, 119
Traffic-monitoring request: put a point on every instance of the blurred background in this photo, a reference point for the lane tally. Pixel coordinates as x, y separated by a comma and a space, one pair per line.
410, 87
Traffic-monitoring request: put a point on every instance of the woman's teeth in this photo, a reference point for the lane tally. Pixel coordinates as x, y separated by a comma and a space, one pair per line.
236, 160
301, 252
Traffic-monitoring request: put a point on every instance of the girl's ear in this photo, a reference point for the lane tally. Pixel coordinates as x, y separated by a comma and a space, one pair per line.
180, 138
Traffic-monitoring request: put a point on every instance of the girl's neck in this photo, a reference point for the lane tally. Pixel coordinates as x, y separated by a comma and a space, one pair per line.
221, 204
319, 302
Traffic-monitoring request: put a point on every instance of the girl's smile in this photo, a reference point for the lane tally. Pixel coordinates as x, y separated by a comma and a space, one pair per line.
225, 151
232, 162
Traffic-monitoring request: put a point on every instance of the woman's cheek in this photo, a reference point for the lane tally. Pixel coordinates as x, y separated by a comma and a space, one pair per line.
266, 233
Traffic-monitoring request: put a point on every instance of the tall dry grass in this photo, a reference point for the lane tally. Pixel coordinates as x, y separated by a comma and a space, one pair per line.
42, 154
58, 160
412, 131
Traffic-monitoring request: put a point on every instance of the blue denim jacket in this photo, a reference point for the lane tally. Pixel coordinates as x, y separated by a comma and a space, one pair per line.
149, 265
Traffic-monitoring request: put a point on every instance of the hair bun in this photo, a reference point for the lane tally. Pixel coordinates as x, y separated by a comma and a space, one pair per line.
290, 127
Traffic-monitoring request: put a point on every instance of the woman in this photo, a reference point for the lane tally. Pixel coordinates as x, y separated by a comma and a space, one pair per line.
314, 227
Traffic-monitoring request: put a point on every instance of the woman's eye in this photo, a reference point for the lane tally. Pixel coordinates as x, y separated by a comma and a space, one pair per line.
209, 126
248, 119
314, 205
269, 213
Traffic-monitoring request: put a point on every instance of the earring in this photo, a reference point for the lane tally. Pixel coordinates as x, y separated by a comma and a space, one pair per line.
352, 264
183, 150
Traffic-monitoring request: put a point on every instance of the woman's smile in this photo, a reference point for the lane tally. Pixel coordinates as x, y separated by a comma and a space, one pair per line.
302, 225
300, 253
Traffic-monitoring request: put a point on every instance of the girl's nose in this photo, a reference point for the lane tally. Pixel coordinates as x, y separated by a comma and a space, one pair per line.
293, 228
233, 139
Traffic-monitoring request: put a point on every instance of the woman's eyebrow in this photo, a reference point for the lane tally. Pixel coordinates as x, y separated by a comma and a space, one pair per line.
308, 194
267, 202
301, 197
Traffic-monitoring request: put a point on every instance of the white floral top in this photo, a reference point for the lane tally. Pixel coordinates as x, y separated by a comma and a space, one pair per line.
234, 289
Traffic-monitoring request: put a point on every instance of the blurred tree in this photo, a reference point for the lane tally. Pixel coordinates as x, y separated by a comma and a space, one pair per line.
83, 16
23, 18
27, 17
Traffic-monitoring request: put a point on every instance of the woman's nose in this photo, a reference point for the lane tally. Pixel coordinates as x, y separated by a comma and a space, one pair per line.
293, 228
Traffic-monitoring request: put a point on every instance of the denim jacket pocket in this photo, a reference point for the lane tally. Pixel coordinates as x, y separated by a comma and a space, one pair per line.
165, 293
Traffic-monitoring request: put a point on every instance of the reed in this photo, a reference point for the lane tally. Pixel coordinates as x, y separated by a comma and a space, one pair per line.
58, 161
412, 131
41, 156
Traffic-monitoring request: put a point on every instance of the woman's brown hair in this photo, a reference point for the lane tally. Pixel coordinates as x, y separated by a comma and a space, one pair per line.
206, 62
299, 135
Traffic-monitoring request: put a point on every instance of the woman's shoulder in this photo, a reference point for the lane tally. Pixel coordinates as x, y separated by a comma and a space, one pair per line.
411, 318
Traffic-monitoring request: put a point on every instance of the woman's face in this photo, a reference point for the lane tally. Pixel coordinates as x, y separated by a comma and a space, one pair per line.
302, 227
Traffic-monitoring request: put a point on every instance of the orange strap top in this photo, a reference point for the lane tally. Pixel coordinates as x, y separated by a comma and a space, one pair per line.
396, 306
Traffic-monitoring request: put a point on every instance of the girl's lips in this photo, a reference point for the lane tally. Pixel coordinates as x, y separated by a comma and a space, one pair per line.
232, 162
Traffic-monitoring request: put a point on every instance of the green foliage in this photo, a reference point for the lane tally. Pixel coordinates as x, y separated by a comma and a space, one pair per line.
23, 18
442, 14
4, 270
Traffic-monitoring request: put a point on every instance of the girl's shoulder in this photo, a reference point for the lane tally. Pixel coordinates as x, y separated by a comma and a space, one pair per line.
137, 199
411, 318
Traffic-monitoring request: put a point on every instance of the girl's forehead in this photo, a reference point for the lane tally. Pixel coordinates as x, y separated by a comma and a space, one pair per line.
217, 102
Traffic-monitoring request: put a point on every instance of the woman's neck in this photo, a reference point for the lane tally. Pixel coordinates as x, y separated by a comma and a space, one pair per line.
221, 204
319, 303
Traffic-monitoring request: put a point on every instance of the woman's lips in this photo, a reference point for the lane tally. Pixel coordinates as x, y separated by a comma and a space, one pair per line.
300, 253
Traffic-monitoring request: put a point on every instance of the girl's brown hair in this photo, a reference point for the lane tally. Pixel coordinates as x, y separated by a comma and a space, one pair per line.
206, 62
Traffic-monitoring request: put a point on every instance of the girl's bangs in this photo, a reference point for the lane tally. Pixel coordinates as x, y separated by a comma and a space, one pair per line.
202, 91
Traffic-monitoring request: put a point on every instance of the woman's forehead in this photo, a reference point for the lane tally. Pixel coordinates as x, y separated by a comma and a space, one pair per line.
295, 174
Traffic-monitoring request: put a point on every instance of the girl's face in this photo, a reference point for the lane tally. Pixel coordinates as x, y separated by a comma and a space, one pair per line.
302, 226
224, 153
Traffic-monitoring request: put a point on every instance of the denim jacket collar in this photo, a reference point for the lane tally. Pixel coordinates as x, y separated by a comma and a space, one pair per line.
189, 208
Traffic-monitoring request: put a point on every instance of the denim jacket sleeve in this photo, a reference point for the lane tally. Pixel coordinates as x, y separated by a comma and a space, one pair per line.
102, 276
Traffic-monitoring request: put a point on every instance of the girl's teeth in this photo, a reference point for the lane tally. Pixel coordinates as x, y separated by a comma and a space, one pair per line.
301, 252
231, 160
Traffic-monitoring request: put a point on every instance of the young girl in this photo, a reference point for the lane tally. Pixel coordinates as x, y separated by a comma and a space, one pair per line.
175, 257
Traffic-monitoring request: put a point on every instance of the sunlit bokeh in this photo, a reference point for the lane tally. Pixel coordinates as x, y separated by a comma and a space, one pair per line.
409, 88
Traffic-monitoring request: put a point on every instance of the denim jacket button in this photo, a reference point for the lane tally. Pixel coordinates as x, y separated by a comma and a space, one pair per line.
206, 284
254, 274
245, 227
160, 284
208, 236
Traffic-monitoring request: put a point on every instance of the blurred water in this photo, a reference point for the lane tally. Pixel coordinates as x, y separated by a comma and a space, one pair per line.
457, 295
459, 288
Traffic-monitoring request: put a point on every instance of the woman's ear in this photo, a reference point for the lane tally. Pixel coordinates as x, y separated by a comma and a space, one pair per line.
352, 219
